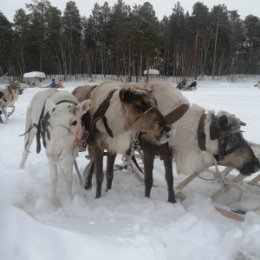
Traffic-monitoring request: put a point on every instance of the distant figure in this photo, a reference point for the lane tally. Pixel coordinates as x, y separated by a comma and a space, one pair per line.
257, 84
53, 83
193, 84
182, 84
59, 84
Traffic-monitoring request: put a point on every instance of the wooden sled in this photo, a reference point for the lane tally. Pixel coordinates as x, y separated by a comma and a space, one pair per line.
238, 182
226, 179
227, 182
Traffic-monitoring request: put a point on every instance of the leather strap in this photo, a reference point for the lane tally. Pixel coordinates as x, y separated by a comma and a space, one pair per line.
100, 113
201, 133
176, 114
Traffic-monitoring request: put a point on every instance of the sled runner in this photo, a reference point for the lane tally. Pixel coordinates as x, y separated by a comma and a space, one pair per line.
227, 179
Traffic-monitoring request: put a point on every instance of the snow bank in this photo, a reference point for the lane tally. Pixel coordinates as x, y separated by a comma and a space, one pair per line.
123, 224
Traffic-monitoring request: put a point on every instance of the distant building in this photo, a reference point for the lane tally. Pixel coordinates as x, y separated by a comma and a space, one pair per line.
151, 74
34, 78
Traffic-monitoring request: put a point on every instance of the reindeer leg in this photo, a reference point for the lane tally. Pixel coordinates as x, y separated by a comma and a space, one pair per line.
78, 172
149, 155
13, 109
98, 155
110, 169
89, 169
69, 177
54, 180
88, 172
167, 159
28, 139
5, 113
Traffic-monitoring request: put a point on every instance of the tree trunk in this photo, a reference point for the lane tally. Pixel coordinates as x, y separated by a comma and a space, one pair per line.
215, 53
129, 78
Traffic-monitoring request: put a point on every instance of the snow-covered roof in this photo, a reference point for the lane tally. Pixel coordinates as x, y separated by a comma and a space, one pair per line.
34, 74
152, 72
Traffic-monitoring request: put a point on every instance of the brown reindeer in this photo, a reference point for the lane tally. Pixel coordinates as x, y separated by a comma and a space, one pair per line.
8, 98
117, 110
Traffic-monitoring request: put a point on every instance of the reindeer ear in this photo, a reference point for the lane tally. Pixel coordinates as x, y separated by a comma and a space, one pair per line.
242, 123
84, 106
222, 121
126, 95
51, 106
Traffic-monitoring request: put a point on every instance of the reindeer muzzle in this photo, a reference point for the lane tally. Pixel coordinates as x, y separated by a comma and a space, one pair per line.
166, 133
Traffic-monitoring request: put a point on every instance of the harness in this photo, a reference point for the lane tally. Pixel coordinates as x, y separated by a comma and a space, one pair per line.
176, 114
100, 113
145, 112
222, 135
43, 124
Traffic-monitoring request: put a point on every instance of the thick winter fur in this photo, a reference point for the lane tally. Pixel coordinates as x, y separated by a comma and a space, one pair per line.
82, 92
131, 107
65, 132
188, 156
184, 144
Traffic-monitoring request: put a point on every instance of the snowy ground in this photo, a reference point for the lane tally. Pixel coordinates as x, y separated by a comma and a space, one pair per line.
123, 224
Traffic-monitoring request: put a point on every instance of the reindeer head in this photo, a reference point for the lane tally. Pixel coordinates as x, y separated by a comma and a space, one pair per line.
143, 114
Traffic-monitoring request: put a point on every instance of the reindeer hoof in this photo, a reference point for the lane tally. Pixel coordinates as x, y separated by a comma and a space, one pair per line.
172, 200
88, 186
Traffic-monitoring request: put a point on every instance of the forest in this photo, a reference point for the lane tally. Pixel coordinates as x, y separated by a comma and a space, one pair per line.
123, 40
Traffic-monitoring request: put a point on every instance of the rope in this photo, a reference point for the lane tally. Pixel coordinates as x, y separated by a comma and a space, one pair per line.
29, 129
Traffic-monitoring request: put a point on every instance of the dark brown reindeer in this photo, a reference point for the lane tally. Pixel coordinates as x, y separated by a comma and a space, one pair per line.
116, 111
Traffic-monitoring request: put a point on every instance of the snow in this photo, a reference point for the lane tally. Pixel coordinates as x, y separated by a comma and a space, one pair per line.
34, 74
152, 72
122, 224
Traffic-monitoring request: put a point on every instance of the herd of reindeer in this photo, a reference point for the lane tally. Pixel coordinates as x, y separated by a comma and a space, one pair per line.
108, 119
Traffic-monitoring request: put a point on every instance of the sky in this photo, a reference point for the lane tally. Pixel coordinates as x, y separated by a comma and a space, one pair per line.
161, 7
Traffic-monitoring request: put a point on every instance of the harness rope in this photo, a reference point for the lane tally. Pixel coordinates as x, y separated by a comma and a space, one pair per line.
44, 123
42, 126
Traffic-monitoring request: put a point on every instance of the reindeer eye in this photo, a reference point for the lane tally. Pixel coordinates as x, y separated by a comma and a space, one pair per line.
234, 139
139, 106
74, 123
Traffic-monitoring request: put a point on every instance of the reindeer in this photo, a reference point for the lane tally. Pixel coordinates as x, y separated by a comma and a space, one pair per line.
55, 117
8, 98
118, 111
202, 139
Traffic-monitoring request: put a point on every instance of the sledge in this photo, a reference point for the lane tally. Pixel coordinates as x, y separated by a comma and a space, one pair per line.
192, 85
227, 179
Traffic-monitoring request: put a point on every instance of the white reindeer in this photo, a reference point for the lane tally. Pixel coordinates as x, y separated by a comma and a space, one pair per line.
55, 117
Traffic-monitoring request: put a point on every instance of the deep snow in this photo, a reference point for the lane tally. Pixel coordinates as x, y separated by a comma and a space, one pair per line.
122, 224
